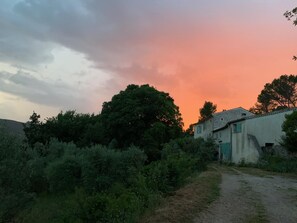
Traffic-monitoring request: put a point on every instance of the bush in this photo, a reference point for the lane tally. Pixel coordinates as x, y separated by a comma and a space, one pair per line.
64, 174
168, 174
278, 164
14, 180
200, 148
290, 129
108, 207
103, 167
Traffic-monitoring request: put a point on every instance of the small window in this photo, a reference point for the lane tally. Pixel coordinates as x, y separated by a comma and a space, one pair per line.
237, 128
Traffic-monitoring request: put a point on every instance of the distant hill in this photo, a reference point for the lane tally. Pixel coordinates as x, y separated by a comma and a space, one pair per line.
13, 127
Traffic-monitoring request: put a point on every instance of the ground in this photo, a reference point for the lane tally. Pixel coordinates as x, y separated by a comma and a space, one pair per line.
231, 194
252, 197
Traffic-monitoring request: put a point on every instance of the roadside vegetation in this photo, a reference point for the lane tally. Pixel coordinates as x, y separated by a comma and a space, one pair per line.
189, 200
111, 167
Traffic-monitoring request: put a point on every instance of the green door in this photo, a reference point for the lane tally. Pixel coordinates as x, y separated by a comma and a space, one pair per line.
226, 151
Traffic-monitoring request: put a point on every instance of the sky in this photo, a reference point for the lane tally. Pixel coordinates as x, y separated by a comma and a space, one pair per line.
76, 54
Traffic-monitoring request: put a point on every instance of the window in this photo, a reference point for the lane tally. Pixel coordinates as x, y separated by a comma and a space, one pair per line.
237, 128
198, 129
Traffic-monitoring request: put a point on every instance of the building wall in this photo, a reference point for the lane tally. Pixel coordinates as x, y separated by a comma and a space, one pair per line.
203, 130
219, 120
222, 138
255, 133
267, 129
243, 147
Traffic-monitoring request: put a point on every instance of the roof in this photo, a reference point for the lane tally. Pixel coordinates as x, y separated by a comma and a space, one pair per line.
222, 118
227, 114
255, 116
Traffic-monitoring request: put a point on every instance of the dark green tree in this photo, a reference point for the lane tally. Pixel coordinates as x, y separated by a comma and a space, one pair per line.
280, 93
33, 129
69, 126
207, 110
135, 115
290, 129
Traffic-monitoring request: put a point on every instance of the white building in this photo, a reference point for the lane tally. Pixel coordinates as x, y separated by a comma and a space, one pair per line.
245, 137
206, 128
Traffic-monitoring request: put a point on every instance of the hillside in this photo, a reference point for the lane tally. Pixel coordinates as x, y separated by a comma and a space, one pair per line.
13, 127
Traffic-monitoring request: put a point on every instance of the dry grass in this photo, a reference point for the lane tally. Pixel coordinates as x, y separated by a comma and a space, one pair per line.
189, 200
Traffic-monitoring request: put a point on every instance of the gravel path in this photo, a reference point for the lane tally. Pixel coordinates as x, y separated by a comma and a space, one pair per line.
249, 198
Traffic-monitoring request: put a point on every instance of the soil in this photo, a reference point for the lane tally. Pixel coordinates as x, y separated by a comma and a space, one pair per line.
252, 198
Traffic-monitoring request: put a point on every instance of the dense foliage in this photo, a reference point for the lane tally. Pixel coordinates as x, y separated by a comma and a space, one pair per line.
81, 129
280, 93
60, 182
140, 116
290, 129
207, 110
109, 167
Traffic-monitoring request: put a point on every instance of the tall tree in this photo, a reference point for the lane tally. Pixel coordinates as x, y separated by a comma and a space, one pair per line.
290, 129
207, 110
33, 129
280, 93
292, 15
141, 115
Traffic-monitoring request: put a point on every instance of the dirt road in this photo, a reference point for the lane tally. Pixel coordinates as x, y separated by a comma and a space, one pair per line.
253, 198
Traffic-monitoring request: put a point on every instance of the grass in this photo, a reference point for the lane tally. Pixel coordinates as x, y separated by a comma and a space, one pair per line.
184, 205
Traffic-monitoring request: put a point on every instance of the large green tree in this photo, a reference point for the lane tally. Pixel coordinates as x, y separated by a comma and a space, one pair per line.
207, 110
280, 93
143, 116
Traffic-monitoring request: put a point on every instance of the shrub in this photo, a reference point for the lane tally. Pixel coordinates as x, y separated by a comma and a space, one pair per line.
290, 129
64, 174
102, 167
278, 164
14, 181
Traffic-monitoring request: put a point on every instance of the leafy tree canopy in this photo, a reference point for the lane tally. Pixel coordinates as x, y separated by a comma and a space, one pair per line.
207, 110
68, 126
280, 93
290, 129
139, 115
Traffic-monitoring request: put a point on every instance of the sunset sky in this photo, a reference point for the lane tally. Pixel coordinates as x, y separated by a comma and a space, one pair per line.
75, 54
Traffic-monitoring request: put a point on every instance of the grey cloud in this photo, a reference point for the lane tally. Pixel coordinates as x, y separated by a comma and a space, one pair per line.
57, 94
112, 33
108, 32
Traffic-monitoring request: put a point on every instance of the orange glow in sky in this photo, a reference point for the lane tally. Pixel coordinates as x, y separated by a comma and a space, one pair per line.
56, 56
